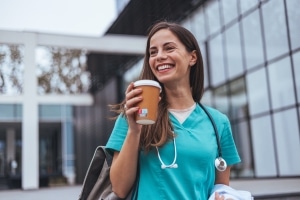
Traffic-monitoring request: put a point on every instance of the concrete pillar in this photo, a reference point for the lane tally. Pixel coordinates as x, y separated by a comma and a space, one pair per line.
11, 150
30, 138
10, 145
68, 147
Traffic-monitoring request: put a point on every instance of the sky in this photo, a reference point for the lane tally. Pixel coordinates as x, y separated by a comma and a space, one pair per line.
67, 17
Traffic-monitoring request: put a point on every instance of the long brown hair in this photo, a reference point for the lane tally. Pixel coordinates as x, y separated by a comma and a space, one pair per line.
158, 133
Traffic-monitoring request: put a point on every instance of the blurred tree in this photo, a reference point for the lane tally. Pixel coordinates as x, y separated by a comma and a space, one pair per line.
65, 73
16, 72
11, 69
59, 70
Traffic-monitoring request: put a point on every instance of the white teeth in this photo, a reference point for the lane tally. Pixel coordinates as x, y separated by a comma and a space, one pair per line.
164, 67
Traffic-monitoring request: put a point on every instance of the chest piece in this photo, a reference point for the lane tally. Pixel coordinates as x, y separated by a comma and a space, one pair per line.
220, 164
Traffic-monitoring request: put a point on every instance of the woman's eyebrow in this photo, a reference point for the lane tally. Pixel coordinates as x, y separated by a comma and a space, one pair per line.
165, 44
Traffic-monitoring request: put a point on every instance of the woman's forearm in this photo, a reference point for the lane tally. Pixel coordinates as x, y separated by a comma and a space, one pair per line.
124, 167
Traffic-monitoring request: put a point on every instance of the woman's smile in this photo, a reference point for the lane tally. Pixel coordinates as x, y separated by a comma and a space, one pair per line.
164, 67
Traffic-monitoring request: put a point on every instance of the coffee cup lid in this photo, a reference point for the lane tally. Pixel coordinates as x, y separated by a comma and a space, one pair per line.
147, 82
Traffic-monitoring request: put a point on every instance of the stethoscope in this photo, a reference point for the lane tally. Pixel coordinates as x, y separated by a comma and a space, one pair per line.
220, 163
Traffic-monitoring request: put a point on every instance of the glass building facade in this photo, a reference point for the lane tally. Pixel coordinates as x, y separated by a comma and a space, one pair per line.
251, 55
251, 52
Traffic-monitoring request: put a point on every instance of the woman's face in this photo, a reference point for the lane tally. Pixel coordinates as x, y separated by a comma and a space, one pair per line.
168, 58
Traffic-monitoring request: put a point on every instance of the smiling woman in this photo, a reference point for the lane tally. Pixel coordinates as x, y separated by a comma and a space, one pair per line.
176, 155
81, 17
168, 56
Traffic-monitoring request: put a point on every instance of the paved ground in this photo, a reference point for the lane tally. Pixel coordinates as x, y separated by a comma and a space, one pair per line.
269, 189
54, 193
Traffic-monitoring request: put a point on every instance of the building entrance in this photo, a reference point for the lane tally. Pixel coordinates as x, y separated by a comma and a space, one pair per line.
2, 162
2, 157
50, 154
10, 155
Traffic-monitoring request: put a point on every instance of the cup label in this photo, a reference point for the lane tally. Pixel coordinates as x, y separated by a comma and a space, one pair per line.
143, 112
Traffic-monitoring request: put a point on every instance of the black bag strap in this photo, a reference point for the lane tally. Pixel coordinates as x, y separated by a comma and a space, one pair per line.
215, 128
98, 160
133, 194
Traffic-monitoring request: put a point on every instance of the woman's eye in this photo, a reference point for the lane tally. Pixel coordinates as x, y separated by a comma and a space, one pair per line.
169, 48
152, 53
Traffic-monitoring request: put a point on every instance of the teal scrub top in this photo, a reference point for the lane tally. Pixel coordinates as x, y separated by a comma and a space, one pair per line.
196, 152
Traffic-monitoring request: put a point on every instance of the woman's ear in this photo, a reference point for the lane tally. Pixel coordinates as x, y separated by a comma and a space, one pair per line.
193, 58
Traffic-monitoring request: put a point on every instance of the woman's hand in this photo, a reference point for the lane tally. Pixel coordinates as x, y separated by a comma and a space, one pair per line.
132, 98
218, 196
126, 160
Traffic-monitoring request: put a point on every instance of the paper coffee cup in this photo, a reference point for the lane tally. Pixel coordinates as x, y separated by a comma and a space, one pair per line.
147, 112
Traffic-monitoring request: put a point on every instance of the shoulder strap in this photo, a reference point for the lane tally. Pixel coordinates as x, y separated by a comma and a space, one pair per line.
98, 161
215, 128
96, 184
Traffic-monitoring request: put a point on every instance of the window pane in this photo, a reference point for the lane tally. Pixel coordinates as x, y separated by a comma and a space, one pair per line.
67, 111
216, 60
68, 128
296, 62
207, 98
281, 83
11, 112
294, 17
239, 108
287, 142
230, 10
72, 76
221, 99
248, 4
263, 147
213, 16
257, 92
203, 52
198, 24
11, 69
275, 33
253, 40
50, 112
243, 142
186, 23
234, 52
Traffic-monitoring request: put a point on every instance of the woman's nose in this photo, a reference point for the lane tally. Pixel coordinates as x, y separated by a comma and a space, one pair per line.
161, 55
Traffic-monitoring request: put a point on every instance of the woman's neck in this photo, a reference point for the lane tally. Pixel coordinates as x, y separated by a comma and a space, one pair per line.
179, 98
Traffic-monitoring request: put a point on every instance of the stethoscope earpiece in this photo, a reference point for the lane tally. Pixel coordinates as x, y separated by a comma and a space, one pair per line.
220, 164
